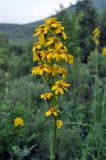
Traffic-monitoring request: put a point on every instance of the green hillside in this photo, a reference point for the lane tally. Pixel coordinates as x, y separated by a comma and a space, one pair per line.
18, 34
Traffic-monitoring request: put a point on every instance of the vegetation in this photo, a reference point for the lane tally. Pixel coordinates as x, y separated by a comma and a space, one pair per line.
83, 108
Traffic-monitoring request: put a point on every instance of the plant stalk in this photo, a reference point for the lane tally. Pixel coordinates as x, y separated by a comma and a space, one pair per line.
53, 139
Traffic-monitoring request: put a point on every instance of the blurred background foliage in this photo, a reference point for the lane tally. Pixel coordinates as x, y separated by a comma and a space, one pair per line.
83, 136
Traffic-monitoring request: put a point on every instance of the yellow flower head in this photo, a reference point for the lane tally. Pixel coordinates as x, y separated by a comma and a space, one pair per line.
96, 36
52, 22
18, 122
96, 32
41, 32
37, 56
70, 59
59, 123
43, 29
47, 55
63, 72
52, 111
104, 51
54, 69
59, 87
56, 27
57, 44
36, 47
59, 55
57, 70
46, 96
40, 70
60, 30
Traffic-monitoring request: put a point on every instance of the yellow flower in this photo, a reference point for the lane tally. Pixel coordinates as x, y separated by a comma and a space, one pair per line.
56, 42
52, 111
43, 29
47, 55
70, 59
57, 70
40, 70
59, 123
18, 122
60, 86
54, 69
96, 35
36, 56
97, 41
63, 72
46, 96
60, 30
41, 32
56, 26
104, 51
36, 47
96, 32
59, 55
52, 22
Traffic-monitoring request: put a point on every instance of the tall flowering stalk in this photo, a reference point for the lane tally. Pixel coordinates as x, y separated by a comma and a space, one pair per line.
96, 38
50, 52
96, 33
102, 109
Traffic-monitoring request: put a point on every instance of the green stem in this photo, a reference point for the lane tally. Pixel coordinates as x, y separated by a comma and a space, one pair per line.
86, 150
96, 50
104, 101
17, 146
53, 139
96, 84
102, 114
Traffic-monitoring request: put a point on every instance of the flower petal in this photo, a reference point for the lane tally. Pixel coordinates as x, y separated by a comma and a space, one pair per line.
48, 113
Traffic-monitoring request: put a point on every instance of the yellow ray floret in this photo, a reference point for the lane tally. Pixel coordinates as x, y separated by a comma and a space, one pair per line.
46, 96
59, 123
60, 86
70, 59
52, 111
18, 122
